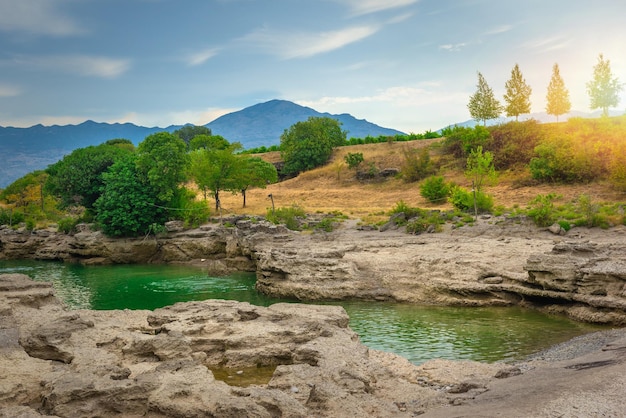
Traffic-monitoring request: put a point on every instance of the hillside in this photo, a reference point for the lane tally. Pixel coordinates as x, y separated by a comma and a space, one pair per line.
331, 188
23, 150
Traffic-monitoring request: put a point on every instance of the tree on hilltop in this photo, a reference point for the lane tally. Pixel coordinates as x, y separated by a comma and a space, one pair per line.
557, 98
604, 88
517, 94
483, 105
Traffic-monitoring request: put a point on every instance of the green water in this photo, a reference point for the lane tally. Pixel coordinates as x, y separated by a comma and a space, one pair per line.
418, 333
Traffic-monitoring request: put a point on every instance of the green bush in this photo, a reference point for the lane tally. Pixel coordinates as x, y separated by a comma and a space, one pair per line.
541, 209
287, 216
11, 217
410, 212
463, 200
435, 189
67, 225
353, 159
417, 164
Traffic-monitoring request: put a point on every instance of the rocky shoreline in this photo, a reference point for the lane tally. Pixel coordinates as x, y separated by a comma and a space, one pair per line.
179, 360
496, 262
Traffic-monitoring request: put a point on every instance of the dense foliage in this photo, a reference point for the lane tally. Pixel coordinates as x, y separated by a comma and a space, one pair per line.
309, 144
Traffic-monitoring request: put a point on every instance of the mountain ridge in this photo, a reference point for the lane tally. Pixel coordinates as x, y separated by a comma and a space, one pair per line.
24, 150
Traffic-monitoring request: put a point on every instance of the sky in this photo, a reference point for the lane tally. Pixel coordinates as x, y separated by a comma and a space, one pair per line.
409, 65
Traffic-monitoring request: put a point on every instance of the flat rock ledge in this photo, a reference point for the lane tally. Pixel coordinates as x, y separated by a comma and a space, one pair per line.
301, 361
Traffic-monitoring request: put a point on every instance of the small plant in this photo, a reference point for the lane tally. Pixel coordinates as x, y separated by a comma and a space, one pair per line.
353, 159
435, 189
417, 165
67, 225
541, 209
287, 216
463, 200
410, 212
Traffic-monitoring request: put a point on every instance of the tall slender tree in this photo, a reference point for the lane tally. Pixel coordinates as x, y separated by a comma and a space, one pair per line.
557, 98
517, 94
604, 88
483, 105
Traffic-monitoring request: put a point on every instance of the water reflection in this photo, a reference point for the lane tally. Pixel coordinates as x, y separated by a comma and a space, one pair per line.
416, 332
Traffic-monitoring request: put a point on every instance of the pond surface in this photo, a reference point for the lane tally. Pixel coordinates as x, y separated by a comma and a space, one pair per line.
418, 333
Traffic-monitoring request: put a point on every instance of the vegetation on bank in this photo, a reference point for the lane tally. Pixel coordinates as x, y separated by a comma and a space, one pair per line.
128, 191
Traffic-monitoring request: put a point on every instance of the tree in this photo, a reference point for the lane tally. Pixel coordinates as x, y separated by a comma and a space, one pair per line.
309, 144
517, 94
126, 206
163, 160
480, 168
188, 132
254, 172
208, 141
604, 88
215, 170
557, 98
353, 159
483, 105
77, 178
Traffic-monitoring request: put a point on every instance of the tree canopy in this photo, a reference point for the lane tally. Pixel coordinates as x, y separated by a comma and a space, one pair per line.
254, 172
483, 105
604, 89
162, 158
309, 144
557, 98
517, 94
188, 132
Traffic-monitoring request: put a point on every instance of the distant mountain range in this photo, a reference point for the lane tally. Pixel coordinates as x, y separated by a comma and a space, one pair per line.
541, 117
23, 150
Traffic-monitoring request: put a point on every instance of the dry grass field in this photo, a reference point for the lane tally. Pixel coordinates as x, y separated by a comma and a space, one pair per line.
335, 188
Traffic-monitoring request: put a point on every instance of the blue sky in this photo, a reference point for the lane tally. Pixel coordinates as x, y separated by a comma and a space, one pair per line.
404, 64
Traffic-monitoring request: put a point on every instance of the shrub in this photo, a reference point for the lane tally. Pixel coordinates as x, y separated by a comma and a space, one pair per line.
435, 189
287, 216
513, 143
402, 207
541, 209
353, 159
67, 225
417, 164
461, 140
11, 217
463, 200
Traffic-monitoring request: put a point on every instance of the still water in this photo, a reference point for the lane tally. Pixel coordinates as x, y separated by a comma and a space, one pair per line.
418, 333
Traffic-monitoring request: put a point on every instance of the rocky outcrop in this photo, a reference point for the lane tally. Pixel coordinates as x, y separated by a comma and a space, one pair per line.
303, 361
497, 261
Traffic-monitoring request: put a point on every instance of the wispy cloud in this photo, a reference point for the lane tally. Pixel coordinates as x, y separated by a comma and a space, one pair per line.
9, 91
83, 65
550, 44
498, 30
363, 7
41, 17
307, 44
453, 47
200, 57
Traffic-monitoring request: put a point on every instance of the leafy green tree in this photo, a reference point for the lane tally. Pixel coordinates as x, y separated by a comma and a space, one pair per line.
309, 144
216, 170
480, 168
188, 132
604, 89
483, 105
162, 159
557, 98
126, 206
208, 141
77, 178
254, 172
517, 94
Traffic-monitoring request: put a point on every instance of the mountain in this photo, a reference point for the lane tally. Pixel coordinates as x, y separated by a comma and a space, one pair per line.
264, 123
23, 150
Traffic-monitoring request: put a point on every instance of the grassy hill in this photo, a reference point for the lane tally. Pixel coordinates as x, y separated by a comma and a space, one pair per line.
335, 188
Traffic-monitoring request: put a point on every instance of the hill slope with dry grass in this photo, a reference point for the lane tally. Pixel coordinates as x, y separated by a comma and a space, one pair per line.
334, 187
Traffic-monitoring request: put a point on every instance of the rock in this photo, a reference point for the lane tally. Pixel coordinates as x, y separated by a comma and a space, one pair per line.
556, 229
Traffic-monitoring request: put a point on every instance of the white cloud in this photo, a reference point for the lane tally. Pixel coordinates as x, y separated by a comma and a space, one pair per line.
36, 16
499, 29
303, 45
362, 7
83, 65
453, 47
201, 57
9, 91
548, 44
